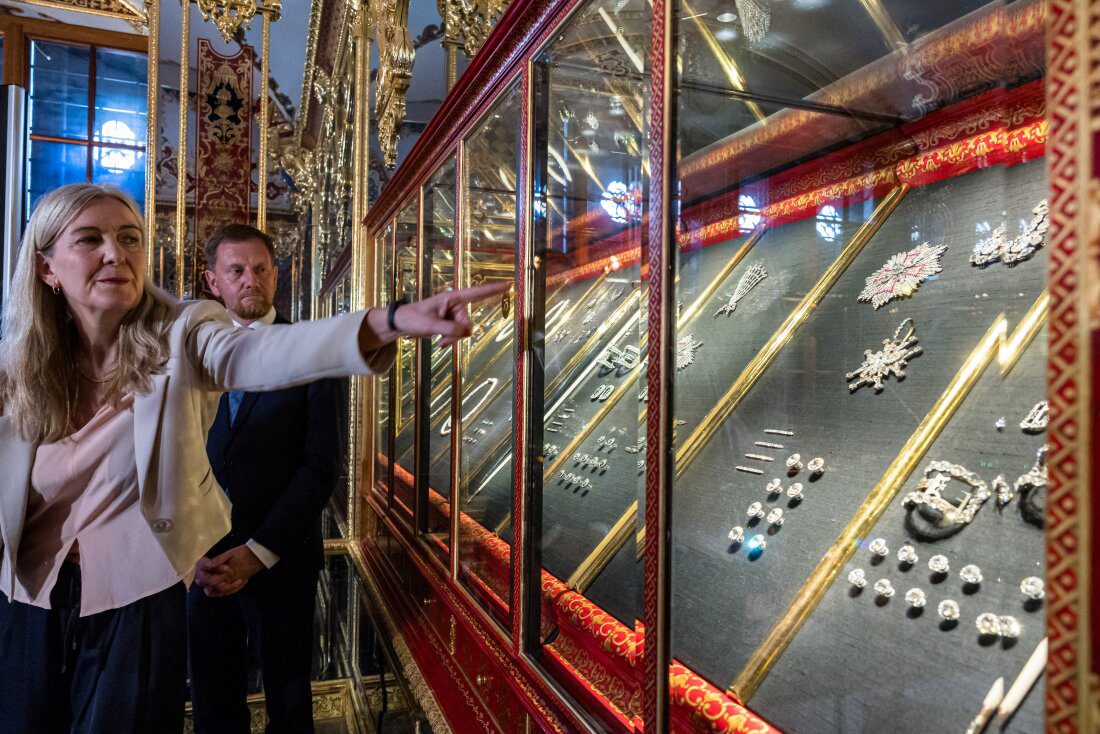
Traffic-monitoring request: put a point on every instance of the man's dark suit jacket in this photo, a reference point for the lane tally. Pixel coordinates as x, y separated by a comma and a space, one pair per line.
279, 462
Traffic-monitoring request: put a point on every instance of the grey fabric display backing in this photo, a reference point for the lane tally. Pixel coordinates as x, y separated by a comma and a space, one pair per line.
725, 603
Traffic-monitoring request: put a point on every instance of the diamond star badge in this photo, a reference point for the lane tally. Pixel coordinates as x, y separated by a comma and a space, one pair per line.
686, 348
902, 274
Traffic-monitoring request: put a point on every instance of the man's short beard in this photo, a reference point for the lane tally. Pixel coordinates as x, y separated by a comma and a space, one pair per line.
253, 312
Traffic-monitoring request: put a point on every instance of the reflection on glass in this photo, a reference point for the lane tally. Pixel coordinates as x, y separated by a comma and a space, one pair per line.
439, 242
406, 262
383, 384
820, 227
490, 160
590, 186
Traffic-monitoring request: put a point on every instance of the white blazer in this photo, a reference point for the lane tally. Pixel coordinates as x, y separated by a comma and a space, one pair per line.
180, 499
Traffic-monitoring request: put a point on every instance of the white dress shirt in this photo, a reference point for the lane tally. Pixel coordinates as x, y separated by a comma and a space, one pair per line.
266, 557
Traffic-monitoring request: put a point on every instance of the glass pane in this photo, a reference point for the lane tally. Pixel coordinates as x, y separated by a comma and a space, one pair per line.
439, 241
407, 264
50, 165
383, 384
120, 97
490, 162
860, 223
59, 90
589, 234
122, 167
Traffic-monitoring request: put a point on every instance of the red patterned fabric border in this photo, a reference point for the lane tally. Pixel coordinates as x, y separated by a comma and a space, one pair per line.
1068, 695
223, 143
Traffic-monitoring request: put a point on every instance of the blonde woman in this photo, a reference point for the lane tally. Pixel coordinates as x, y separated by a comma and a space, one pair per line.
107, 389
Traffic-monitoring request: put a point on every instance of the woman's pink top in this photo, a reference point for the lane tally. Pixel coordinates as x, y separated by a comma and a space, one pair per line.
84, 490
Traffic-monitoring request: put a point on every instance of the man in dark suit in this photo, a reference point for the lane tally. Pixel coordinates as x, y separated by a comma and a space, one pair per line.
277, 455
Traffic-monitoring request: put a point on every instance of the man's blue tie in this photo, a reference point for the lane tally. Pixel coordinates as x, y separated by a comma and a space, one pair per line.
235, 397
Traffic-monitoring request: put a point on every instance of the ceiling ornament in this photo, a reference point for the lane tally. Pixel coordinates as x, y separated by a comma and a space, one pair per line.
128, 10
471, 21
229, 16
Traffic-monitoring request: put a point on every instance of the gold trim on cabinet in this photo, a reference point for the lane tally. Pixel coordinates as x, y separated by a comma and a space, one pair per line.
181, 151
598, 559
995, 344
152, 16
265, 117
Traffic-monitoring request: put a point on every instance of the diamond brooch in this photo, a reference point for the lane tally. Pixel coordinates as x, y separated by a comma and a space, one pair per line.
902, 274
1033, 588
1010, 627
878, 547
857, 578
948, 609
890, 360
686, 348
748, 281
915, 598
1011, 251
757, 543
1037, 418
989, 625
971, 575
907, 554
929, 493
1003, 490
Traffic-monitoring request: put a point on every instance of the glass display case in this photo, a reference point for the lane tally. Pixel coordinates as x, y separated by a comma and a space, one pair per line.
766, 411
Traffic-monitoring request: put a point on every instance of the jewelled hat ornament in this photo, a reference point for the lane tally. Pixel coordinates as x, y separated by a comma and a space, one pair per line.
890, 360
902, 274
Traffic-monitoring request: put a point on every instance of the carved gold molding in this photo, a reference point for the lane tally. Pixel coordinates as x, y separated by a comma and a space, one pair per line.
127, 10
470, 21
229, 16
395, 54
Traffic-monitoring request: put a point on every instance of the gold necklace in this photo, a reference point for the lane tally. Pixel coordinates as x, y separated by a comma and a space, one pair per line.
108, 376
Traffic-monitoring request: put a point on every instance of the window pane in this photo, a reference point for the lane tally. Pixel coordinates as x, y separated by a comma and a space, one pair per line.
487, 363
120, 104
123, 167
59, 90
405, 400
439, 237
51, 165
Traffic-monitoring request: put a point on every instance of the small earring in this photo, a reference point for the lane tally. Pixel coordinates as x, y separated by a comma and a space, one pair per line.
56, 290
